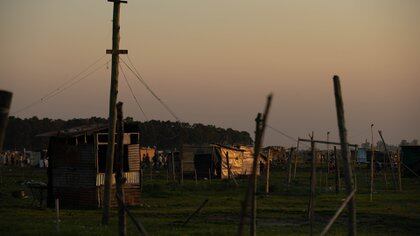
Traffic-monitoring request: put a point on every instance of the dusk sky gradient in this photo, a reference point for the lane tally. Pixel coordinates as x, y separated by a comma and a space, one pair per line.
215, 61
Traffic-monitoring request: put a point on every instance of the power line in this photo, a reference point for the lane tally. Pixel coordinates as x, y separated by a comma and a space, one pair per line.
74, 77
140, 78
60, 89
132, 93
282, 133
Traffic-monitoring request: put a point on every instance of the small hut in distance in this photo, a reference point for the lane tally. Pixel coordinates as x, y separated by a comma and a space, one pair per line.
77, 163
214, 161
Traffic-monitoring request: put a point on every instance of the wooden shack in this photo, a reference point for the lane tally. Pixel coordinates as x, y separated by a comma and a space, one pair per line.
77, 162
214, 161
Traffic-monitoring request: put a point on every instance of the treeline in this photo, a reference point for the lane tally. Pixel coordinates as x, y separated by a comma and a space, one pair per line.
21, 133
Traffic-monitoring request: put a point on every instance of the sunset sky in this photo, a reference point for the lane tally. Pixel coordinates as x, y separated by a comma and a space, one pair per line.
214, 62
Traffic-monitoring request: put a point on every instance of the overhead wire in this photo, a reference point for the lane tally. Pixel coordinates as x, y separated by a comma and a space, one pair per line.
132, 93
68, 84
141, 79
284, 134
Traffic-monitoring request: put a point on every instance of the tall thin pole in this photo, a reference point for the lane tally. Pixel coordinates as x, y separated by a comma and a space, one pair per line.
267, 174
257, 148
122, 222
345, 154
289, 166
327, 160
296, 159
112, 103
311, 204
399, 170
372, 163
337, 171
251, 190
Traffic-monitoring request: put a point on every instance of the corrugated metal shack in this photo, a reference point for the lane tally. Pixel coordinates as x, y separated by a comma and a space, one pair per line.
212, 161
77, 162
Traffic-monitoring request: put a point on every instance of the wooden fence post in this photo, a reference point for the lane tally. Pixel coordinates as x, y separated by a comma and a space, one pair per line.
337, 171
267, 174
252, 185
399, 170
344, 154
311, 204
296, 159
122, 222
57, 214
289, 166
372, 164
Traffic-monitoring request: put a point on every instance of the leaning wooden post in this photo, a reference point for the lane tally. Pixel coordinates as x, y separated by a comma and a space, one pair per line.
391, 163
372, 164
296, 159
257, 148
122, 222
5, 101
344, 154
251, 190
337, 171
311, 204
267, 174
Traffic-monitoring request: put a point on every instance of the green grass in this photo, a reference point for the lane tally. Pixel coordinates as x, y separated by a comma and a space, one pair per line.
166, 205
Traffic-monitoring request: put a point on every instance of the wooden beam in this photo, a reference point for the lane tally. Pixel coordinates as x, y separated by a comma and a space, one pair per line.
326, 142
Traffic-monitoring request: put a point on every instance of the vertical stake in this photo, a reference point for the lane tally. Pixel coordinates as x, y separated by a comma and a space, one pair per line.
311, 204
289, 166
328, 161
345, 155
337, 171
296, 159
267, 174
252, 185
57, 214
122, 222
372, 164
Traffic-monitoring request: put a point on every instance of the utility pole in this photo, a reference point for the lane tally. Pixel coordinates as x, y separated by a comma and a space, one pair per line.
115, 51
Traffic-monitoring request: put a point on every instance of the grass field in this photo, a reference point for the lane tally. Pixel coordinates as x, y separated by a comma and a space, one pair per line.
166, 205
